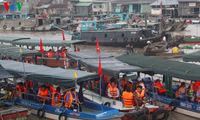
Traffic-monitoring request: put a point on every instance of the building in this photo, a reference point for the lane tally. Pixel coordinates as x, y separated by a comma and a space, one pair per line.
101, 7
188, 8
83, 8
165, 8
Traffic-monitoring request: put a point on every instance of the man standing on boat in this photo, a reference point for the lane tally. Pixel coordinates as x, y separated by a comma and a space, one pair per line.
140, 97
113, 91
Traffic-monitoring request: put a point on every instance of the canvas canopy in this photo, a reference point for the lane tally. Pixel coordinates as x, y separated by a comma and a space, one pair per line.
14, 52
10, 39
4, 73
170, 68
110, 65
192, 57
40, 73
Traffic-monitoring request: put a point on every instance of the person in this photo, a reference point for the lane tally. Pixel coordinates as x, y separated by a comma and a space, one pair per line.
49, 53
20, 88
28, 84
181, 90
127, 97
71, 97
50, 88
159, 88
123, 82
140, 97
164, 38
175, 49
113, 91
109, 84
198, 95
78, 50
63, 54
56, 96
43, 92
140, 83
130, 85
191, 91
131, 45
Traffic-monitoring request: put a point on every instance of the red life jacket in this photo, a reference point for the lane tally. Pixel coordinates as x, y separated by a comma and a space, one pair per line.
30, 85
53, 95
161, 90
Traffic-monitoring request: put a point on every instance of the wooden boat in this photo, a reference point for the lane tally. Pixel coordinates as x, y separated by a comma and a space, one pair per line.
181, 25
190, 39
174, 42
157, 47
186, 25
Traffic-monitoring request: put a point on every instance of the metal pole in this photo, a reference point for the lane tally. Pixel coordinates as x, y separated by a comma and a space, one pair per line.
25, 80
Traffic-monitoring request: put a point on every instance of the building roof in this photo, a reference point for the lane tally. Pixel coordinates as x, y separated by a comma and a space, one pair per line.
83, 4
42, 2
165, 2
188, 0
58, 6
133, 2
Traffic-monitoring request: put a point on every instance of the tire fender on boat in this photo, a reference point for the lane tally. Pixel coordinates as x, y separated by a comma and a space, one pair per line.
12, 28
143, 117
22, 28
93, 38
173, 105
115, 40
4, 27
125, 39
159, 112
41, 110
107, 104
63, 114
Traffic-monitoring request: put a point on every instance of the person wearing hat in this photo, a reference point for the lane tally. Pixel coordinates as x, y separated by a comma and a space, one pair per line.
130, 85
140, 83
159, 88
127, 98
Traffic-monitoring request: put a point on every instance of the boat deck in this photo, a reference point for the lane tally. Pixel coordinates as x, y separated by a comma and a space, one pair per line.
88, 110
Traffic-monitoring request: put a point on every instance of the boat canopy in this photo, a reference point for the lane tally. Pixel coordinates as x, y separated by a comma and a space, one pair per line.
110, 65
10, 39
4, 73
36, 42
170, 68
14, 52
192, 57
40, 73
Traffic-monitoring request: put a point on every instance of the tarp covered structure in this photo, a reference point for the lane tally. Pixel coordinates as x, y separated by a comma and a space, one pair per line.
40, 73
4, 73
110, 65
10, 39
14, 52
170, 68
192, 57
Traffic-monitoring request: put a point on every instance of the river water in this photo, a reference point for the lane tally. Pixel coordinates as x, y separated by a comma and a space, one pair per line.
192, 29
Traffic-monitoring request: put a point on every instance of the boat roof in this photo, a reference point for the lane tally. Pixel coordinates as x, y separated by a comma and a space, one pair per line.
123, 29
4, 74
110, 65
170, 68
14, 52
192, 57
148, 24
9, 39
44, 74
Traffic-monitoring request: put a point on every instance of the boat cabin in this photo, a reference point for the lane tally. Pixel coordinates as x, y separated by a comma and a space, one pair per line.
93, 25
153, 26
123, 16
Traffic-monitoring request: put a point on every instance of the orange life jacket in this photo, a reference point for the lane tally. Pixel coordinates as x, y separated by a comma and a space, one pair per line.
70, 98
59, 97
51, 88
130, 86
195, 86
78, 50
198, 100
161, 90
124, 82
26, 61
113, 91
19, 89
108, 86
141, 84
30, 84
140, 95
63, 54
179, 91
127, 98
43, 93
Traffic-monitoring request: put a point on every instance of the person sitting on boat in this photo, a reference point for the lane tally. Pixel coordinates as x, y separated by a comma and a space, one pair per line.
140, 83
191, 91
123, 82
127, 97
181, 90
159, 88
113, 91
43, 92
20, 88
50, 88
140, 96
70, 99
56, 96
78, 50
130, 85
29, 85
198, 95
109, 84
175, 49
63, 54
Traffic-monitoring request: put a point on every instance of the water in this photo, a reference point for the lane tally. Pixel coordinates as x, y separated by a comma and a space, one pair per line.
114, 51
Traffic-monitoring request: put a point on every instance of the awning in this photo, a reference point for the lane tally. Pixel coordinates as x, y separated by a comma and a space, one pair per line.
40, 73
170, 68
14, 52
110, 65
4, 73
83, 4
192, 57
10, 39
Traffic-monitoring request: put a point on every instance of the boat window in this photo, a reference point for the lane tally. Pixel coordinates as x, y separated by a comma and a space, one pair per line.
83, 25
122, 34
105, 35
93, 24
19, 23
100, 6
90, 24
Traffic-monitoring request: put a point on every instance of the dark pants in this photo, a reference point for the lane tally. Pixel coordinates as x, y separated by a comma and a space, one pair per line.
131, 50
75, 107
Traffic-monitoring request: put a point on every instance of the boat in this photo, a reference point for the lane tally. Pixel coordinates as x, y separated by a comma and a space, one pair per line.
195, 22
169, 71
157, 47
189, 39
186, 25
153, 26
192, 57
60, 77
181, 25
176, 41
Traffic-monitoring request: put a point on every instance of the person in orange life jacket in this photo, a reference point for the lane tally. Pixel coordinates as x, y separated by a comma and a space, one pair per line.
71, 97
140, 83
130, 85
29, 85
43, 92
56, 96
109, 84
195, 85
113, 91
63, 54
198, 95
50, 88
127, 97
78, 50
122, 83
181, 90
140, 97
159, 88
20, 88
191, 92
29, 61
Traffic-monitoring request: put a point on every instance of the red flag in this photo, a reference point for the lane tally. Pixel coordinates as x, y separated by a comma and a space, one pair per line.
99, 69
41, 47
98, 49
63, 34
161, 3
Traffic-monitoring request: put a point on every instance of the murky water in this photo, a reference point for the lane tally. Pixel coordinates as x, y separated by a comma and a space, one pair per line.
57, 35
